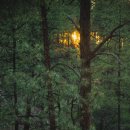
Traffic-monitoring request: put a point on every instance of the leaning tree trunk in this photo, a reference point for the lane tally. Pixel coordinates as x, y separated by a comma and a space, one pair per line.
85, 52
51, 108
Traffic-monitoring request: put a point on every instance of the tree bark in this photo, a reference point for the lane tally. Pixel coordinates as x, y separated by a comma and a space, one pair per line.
14, 83
119, 76
28, 113
119, 87
47, 63
85, 52
46, 42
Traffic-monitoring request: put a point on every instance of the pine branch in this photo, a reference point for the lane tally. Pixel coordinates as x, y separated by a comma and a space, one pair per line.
71, 1
61, 64
20, 26
112, 54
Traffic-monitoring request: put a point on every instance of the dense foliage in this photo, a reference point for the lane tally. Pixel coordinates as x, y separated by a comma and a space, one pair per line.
24, 78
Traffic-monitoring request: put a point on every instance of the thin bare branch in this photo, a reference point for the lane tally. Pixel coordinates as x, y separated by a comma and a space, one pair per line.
73, 22
111, 35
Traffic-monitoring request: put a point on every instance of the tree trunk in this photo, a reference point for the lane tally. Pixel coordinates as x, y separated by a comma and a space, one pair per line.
46, 42
119, 76
28, 113
47, 63
101, 125
85, 52
14, 84
119, 87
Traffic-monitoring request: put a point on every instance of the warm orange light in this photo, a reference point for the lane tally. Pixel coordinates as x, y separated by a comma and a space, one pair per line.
95, 36
75, 36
